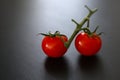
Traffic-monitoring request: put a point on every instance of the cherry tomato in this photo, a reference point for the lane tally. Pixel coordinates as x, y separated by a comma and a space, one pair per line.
88, 45
54, 46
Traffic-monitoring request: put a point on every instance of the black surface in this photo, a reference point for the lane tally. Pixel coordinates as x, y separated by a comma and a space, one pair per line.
21, 57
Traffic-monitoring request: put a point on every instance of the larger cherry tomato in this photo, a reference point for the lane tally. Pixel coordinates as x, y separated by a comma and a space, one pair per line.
54, 46
88, 45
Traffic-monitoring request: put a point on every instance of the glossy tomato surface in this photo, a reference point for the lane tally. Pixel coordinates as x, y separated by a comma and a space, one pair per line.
88, 45
54, 46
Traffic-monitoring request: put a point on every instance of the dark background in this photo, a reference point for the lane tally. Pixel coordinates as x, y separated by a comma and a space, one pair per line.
21, 56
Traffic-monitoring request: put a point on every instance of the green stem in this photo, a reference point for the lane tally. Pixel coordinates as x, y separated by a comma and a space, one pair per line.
79, 26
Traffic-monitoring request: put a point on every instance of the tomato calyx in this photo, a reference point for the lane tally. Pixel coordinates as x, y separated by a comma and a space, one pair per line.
57, 33
91, 33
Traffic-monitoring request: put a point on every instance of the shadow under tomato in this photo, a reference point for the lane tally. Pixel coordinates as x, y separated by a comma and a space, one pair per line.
57, 67
92, 65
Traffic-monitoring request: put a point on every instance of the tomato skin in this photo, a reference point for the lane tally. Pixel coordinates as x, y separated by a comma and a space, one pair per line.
88, 45
54, 46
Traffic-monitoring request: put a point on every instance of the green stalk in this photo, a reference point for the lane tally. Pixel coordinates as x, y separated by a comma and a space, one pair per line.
79, 26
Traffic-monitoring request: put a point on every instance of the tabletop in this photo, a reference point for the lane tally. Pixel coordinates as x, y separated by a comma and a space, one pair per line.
21, 56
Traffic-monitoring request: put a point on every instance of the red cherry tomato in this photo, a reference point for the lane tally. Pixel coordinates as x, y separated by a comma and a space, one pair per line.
88, 45
54, 46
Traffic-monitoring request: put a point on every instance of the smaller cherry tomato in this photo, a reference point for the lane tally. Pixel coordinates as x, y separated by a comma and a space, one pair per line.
88, 45
54, 46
